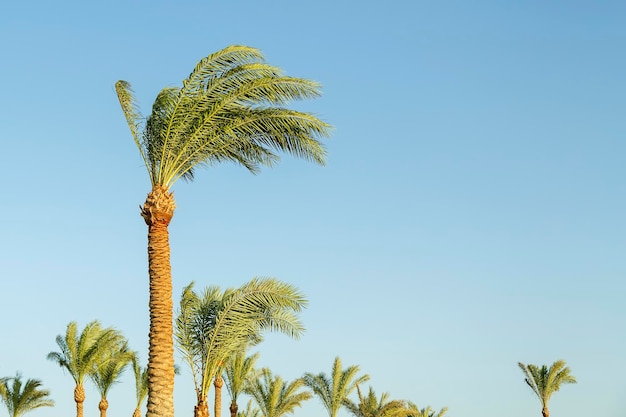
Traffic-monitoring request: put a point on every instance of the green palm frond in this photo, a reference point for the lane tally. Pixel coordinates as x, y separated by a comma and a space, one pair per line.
112, 364
239, 371
371, 406
275, 397
213, 327
333, 390
230, 108
141, 380
546, 381
20, 398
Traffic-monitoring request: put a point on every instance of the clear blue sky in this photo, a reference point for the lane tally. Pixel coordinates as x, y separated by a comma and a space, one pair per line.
471, 214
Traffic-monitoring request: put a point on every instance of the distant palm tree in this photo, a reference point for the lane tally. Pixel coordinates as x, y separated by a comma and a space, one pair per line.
20, 399
115, 361
413, 410
545, 382
333, 390
371, 406
141, 384
231, 108
83, 354
275, 397
239, 371
212, 327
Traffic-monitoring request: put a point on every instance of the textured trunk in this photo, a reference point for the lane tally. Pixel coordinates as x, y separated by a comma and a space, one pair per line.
201, 409
79, 398
137, 412
218, 383
233, 409
157, 212
545, 412
104, 404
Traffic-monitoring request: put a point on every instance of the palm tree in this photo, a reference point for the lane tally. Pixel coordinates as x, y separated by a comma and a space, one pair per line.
370, 406
333, 390
20, 399
116, 360
413, 410
275, 397
82, 355
212, 327
230, 108
239, 371
545, 382
141, 384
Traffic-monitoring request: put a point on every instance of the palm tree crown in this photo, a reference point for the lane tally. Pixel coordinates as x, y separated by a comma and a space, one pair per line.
21, 398
371, 406
228, 109
275, 397
334, 390
546, 381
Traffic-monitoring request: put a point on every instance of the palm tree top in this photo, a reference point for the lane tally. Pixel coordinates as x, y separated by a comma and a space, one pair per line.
228, 109
546, 381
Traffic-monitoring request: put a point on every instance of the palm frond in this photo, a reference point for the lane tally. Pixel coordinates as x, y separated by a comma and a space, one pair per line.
230, 108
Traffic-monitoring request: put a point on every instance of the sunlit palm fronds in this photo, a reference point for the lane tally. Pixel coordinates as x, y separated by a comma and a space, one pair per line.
230, 108
276, 397
333, 390
21, 398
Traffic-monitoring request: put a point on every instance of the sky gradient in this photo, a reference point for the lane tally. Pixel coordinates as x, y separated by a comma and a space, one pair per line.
470, 216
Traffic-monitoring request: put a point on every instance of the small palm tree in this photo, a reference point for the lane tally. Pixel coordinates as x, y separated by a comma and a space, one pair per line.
231, 108
371, 406
333, 390
20, 399
413, 410
141, 384
239, 372
546, 381
115, 361
83, 354
211, 328
275, 397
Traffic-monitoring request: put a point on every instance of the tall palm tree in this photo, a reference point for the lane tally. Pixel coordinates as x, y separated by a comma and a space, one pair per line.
82, 354
21, 398
333, 390
239, 372
212, 327
412, 410
371, 406
116, 360
141, 384
546, 381
275, 397
230, 108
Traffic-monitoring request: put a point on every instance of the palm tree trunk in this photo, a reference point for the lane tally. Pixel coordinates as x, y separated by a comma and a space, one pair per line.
201, 409
102, 406
233, 408
157, 212
545, 412
79, 397
137, 412
219, 383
